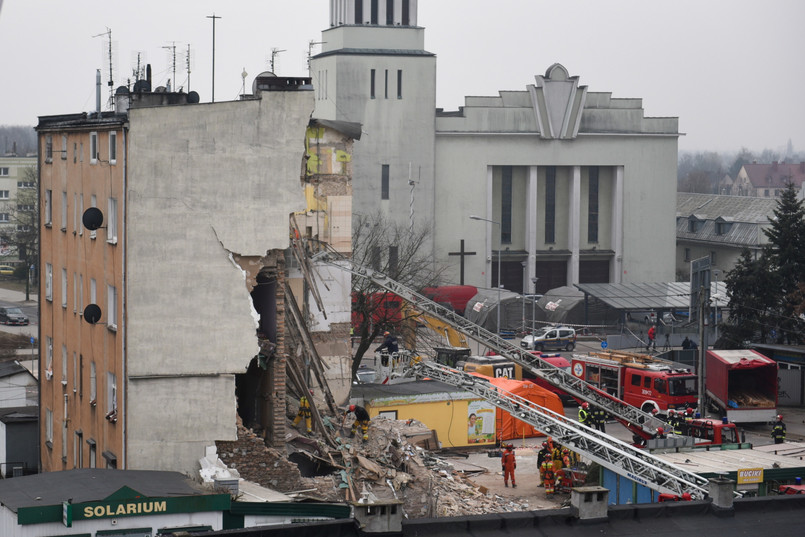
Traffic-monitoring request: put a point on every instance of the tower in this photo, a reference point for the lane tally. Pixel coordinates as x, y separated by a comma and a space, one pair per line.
374, 70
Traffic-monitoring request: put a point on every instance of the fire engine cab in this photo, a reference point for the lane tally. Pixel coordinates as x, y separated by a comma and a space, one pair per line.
642, 381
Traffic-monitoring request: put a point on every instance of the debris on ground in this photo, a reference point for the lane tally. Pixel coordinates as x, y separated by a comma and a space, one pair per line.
390, 465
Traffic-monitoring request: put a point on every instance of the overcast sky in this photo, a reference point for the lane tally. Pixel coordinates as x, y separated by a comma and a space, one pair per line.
731, 70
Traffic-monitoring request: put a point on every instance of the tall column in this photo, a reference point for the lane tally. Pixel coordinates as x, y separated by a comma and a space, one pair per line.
490, 214
381, 12
617, 227
531, 227
573, 225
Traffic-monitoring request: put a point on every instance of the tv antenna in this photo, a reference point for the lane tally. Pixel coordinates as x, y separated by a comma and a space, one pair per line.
172, 50
310, 46
188, 68
111, 82
274, 53
213, 17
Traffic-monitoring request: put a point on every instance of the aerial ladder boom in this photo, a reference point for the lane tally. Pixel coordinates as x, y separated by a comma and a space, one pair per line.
633, 463
641, 423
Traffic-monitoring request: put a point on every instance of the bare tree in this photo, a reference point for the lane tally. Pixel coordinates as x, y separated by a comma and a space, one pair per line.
20, 234
403, 256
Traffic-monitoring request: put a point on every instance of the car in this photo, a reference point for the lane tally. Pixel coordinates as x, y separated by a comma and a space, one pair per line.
551, 338
13, 315
6, 270
366, 375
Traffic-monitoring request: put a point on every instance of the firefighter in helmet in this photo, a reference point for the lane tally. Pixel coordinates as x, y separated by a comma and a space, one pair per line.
361, 420
778, 430
584, 414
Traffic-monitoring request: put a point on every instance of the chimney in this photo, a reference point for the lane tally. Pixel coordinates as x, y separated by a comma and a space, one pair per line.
589, 503
720, 490
98, 92
148, 75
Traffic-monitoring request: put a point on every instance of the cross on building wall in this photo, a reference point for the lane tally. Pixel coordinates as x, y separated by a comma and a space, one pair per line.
462, 253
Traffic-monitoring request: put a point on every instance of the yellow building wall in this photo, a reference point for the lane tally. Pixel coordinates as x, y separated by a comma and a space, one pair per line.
450, 419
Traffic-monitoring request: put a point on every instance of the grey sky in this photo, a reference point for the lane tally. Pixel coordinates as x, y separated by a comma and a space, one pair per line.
731, 70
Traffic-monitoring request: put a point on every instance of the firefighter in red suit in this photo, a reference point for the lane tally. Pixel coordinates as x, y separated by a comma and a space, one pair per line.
508, 462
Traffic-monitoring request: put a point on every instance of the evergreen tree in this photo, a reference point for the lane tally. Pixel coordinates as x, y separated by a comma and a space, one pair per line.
753, 301
785, 257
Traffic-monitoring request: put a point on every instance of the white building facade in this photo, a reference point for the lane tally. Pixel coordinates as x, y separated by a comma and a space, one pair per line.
579, 186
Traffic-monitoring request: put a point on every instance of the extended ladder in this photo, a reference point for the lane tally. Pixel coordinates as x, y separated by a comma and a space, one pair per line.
620, 457
637, 421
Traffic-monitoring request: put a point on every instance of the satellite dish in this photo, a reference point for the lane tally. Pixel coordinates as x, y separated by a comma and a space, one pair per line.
92, 218
142, 86
160, 89
122, 90
92, 313
193, 97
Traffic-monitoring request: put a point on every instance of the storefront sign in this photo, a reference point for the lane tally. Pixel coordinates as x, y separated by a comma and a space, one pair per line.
750, 475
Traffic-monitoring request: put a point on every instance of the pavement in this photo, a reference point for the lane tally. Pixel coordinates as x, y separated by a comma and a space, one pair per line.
18, 297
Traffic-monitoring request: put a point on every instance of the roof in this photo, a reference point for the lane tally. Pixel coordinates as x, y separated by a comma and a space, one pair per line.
92, 484
642, 296
775, 175
419, 387
12, 367
739, 208
19, 414
348, 128
718, 461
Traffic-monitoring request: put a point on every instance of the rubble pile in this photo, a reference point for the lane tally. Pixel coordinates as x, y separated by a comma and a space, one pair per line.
390, 465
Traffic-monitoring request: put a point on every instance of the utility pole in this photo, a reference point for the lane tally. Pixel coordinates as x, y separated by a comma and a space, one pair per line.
213, 17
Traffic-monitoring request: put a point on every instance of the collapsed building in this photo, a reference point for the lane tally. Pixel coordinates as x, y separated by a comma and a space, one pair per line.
165, 249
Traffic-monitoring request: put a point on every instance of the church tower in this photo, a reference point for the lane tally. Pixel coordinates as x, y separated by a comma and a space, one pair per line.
374, 70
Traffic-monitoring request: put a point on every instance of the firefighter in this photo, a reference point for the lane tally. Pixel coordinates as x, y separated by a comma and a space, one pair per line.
549, 478
508, 463
674, 421
584, 414
660, 433
567, 458
599, 416
361, 420
303, 414
543, 455
778, 431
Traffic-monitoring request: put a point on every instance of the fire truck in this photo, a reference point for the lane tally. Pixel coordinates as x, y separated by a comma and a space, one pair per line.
643, 381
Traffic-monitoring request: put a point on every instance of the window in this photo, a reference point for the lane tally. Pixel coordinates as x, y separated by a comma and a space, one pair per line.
80, 294
24, 207
647, 383
64, 211
93, 202
49, 282
390, 12
93, 291
49, 354
384, 182
693, 225
592, 206
49, 428
75, 372
659, 385
75, 152
81, 152
4, 194
722, 228
372, 84
687, 254
93, 454
359, 12
406, 12
394, 260
48, 207
93, 147
113, 147
26, 184
64, 288
48, 148
75, 292
386, 85
81, 212
75, 212
111, 225
374, 16
81, 376
550, 204
78, 450
636, 379
4, 217
713, 257
64, 147
64, 364
3, 172
506, 205
111, 307
399, 83
93, 384
111, 393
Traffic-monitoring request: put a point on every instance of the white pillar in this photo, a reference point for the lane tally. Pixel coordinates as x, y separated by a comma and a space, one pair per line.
574, 219
490, 215
412, 11
381, 12
617, 227
531, 227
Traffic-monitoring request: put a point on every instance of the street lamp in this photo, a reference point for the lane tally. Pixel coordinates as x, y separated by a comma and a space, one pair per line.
715, 297
534, 310
500, 247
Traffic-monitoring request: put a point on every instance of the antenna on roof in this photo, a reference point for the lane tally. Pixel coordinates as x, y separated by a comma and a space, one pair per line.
172, 49
111, 82
274, 53
188, 68
310, 46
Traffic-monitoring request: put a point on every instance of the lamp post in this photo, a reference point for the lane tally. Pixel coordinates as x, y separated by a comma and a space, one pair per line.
534, 309
715, 297
500, 245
